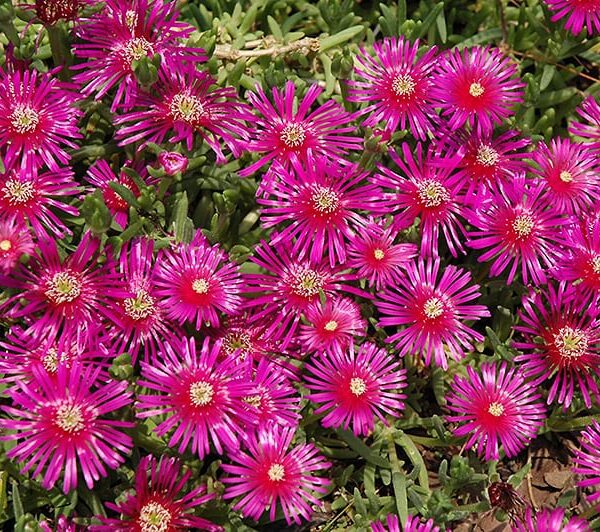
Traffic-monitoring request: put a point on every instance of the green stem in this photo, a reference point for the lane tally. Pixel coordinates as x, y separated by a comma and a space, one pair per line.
61, 52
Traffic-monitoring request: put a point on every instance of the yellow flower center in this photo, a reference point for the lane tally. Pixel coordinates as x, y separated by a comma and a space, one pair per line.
154, 517
18, 192
5, 245
496, 409
131, 19
596, 264
358, 386
403, 85
565, 176
324, 199
201, 393
378, 254
64, 287
69, 418
200, 286
137, 48
523, 225
253, 400
571, 342
487, 156
476, 89
293, 135
24, 119
432, 193
331, 326
139, 307
433, 308
306, 282
186, 108
276, 473
237, 340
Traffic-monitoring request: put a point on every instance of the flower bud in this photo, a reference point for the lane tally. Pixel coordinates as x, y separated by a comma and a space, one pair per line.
173, 162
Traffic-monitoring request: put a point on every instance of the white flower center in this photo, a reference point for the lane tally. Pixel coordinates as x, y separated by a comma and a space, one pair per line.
403, 85
306, 282
24, 119
331, 326
50, 360
253, 400
432, 193
137, 48
324, 199
596, 264
5, 245
433, 308
293, 135
237, 340
496, 409
154, 517
571, 342
186, 108
565, 176
139, 307
476, 89
201, 393
131, 19
358, 386
486, 155
69, 418
378, 254
18, 192
200, 286
64, 287
276, 473
523, 225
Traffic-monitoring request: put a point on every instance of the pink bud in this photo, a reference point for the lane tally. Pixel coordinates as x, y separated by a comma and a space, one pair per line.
173, 162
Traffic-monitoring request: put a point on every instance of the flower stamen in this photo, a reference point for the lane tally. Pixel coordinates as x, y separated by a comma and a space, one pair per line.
201, 393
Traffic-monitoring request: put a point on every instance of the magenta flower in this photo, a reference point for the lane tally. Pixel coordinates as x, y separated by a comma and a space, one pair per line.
378, 260
519, 228
355, 387
160, 501
123, 32
413, 524
495, 406
269, 476
173, 162
550, 520
569, 171
589, 110
38, 120
185, 104
49, 12
587, 461
35, 198
242, 340
568, 354
195, 281
15, 241
60, 426
331, 325
581, 14
197, 394
432, 312
318, 207
396, 85
476, 86
429, 192
283, 134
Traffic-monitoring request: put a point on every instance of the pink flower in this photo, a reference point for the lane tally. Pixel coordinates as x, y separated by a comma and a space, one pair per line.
38, 120
568, 353
283, 134
15, 241
589, 111
59, 424
197, 395
185, 104
432, 312
173, 162
159, 500
269, 475
321, 206
195, 281
495, 406
413, 524
587, 461
49, 12
427, 191
569, 171
550, 521
244, 341
476, 86
396, 85
123, 32
581, 13
35, 198
519, 228
356, 387
378, 260
331, 325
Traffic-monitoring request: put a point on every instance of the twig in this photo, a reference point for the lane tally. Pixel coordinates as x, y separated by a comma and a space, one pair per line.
542, 59
305, 45
529, 486
503, 24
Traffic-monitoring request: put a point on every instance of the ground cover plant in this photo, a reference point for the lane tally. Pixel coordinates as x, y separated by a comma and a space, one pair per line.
290, 265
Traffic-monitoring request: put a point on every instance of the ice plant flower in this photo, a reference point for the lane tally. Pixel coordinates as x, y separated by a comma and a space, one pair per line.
413, 524
38, 120
581, 14
331, 325
60, 426
570, 172
568, 354
476, 86
431, 311
518, 227
283, 134
427, 191
317, 206
49, 12
124, 32
495, 406
587, 461
173, 162
271, 475
197, 394
160, 501
376, 258
550, 520
589, 110
396, 86
196, 281
185, 104
15, 241
355, 387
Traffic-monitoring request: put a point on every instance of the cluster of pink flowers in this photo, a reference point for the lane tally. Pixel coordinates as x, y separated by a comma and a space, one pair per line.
222, 351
